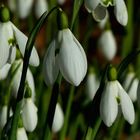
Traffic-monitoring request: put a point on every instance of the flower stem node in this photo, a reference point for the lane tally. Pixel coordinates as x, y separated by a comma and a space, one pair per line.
4, 14
62, 20
112, 73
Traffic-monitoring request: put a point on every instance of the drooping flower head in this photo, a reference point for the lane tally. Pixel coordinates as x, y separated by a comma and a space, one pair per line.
65, 54
98, 8
112, 97
11, 38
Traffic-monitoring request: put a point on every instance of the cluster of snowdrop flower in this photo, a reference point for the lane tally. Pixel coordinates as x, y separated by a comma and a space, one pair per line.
24, 7
98, 8
65, 54
113, 97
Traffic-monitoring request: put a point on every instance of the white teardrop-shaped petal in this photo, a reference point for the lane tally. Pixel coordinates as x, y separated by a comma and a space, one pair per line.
128, 80
24, 7
72, 59
17, 78
6, 33
29, 115
21, 134
40, 7
50, 66
138, 94
126, 105
12, 5
120, 11
58, 118
4, 71
92, 85
107, 44
3, 116
109, 105
61, 2
91, 4
99, 13
132, 92
21, 40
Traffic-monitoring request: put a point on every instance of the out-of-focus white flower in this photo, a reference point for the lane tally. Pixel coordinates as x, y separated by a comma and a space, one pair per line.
58, 118
61, 2
29, 115
92, 85
112, 96
67, 55
107, 44
40, 7
10, 37
4, 71
21, 134
17, 78
98, 8
131, 84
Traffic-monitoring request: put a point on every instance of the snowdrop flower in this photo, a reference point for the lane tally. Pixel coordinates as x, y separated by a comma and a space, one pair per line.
92, 84
29, 114
98, 8
65, 54
61, 2
16, 79
4, 71
107, 44
40, 7
10, 38
21, 134
131, 84
58, 119
112, 96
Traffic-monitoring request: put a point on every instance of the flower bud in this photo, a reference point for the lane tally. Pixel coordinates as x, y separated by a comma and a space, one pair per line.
4, 14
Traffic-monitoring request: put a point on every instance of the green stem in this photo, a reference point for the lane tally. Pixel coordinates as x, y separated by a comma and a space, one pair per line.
67, 114
29, 47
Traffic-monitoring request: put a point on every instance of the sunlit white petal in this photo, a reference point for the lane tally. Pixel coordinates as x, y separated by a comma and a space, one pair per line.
107, 44
50, 66
71, 58
29, 115
21, 134
21, 41
58, 118
126, 105
109, 105
120, 11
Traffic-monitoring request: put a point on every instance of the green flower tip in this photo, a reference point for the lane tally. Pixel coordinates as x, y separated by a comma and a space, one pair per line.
28, 92
130, 68
112, 73
62, 20
20, 122
4, 14
91, 69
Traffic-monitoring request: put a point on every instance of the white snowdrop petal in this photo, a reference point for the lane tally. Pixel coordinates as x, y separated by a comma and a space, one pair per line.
120, 11
132, 92
109, 105
21, 40
50, 66
4, 71
21, 134
6, 33
99, 13
72, 60
138, 94
126, 105
91, 4
58, 119
107, 45
29, 115
3, 116
92, 85
40, 7
24, 7
12, 5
